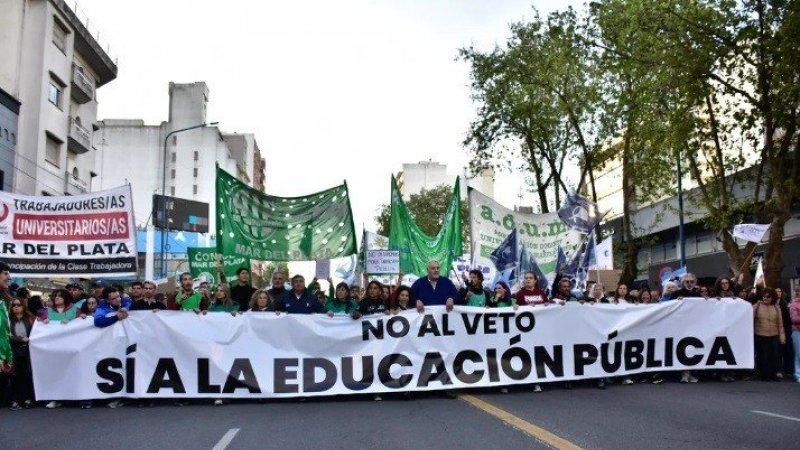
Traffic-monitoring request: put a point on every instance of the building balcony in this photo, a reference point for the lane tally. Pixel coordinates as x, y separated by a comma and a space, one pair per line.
80, 140
82, 86
74, 185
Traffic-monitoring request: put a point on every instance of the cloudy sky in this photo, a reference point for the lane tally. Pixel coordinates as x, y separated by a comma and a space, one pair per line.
333, 90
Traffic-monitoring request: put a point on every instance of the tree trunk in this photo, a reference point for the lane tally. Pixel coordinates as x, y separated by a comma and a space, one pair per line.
738, 259
629, 270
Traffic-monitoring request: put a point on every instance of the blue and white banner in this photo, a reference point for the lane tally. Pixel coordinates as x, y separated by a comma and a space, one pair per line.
181, 354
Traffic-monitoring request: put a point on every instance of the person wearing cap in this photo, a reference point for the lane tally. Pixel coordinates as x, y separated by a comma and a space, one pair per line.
78, 296
97, 288
6, 354
299, 300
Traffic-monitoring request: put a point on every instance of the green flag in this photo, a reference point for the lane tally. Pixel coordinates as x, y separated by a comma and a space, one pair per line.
263, 227
203, 262
416, 248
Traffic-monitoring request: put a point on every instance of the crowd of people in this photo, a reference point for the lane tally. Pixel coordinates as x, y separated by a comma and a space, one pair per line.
776, 318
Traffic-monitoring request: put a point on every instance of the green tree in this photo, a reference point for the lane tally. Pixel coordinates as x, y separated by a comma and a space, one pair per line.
271, 267
538, 103
428, 208
727, 75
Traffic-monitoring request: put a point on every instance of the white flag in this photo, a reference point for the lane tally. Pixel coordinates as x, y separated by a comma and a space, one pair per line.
759, 274
376, 241
604, 253
750, 232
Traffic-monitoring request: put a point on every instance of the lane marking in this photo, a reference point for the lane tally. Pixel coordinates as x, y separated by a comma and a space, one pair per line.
538, 433
226, 439
796, 419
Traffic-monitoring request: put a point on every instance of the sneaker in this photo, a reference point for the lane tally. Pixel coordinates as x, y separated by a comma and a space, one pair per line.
218, 402
537, 388
53, 405
685, 377
601, 384
29, 403
657, 380
377, 398
504, 390
114, 404
15, 406
627, 380
86, 404
693, 379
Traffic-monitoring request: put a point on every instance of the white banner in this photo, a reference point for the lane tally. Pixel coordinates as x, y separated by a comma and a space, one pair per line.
604, 255
383, 261
540, 234
751, 232
181, 354
88, 235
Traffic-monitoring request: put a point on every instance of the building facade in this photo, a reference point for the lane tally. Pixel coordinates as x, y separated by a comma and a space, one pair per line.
52, 68
426, 175
185, 166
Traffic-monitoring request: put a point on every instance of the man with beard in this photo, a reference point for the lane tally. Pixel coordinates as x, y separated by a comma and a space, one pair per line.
473, 293
186, 299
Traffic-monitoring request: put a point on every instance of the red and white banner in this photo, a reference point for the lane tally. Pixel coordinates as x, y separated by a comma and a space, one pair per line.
86, 235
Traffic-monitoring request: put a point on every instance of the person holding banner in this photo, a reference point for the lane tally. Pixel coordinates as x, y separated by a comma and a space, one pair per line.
278, 288
222, 301
373, 302
564, 292
260, 302
434, 289
299, 300
474, 293
21, 323
502, 296
689, 287
531, 294
400, 299
340, 303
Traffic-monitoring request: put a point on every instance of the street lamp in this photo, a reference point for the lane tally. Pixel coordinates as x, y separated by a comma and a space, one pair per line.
164, 225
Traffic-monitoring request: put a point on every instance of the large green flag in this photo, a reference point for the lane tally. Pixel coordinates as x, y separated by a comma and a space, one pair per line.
417, 248
263, 227
203, 262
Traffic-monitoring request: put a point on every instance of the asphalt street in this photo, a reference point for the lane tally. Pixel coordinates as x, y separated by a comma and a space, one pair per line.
707, 415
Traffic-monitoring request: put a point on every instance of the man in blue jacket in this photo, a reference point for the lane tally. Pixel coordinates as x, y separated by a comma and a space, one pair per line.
299, 300
434, 290
112, 308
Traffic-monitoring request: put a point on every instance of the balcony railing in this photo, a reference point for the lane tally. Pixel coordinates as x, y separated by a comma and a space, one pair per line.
82, 86
80, 140
75, 186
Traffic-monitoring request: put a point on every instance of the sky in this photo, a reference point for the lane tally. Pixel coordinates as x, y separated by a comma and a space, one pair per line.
333, 90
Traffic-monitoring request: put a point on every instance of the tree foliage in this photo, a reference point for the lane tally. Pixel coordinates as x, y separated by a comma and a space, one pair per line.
644, 84
428, 208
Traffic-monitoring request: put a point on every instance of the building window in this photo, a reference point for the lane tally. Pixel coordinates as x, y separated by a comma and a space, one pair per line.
195, 172
52, 150
13, 139
174, 140
174, 156
60, 33
75, 173
2, 181
172, 191
172, 173
55, 94
196, 155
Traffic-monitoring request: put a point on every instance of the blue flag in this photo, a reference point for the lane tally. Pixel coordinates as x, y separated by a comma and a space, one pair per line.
588, 259
579, 213
572, 268
527, 263
561, 260
505, 255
